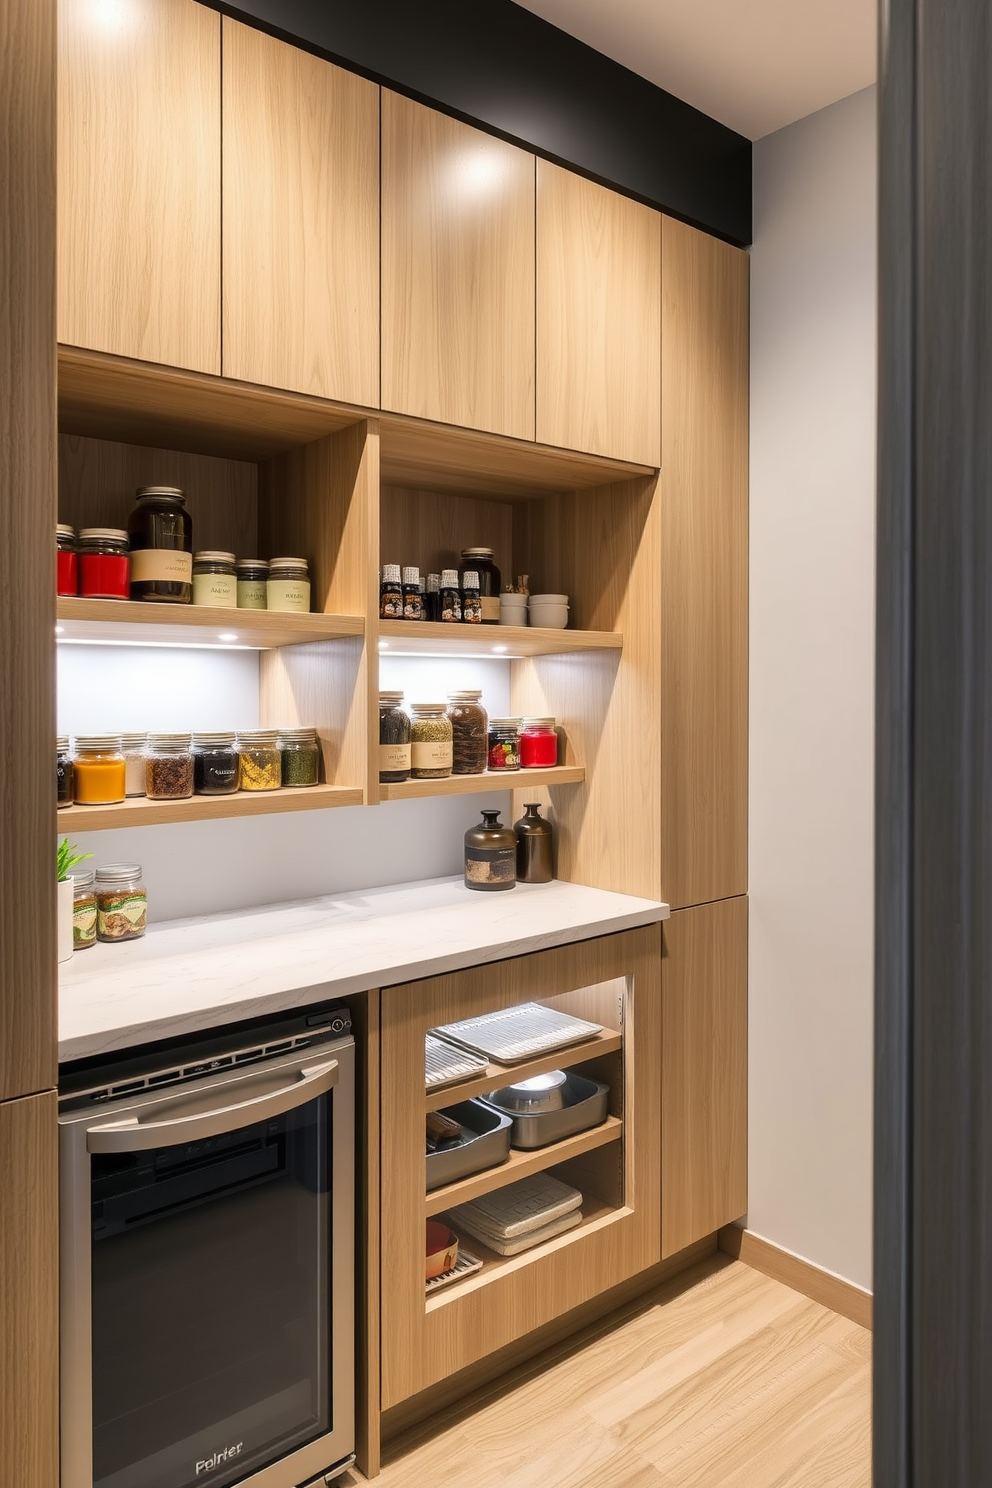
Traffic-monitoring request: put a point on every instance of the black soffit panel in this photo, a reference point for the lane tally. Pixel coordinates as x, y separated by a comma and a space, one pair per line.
492, 63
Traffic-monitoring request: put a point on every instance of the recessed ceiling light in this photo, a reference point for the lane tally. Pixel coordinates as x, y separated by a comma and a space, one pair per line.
499, 648
60, 630
383, 645
227, 635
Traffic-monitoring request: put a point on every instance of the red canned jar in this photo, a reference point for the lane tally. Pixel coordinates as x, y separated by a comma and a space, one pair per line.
67, 577
538, 744
104, 563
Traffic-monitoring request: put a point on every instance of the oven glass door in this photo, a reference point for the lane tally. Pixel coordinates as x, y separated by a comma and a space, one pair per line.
212, 1302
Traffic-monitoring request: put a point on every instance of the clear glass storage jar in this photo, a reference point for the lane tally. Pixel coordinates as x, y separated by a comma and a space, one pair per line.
480, 561
252, 583
261, 762
430, 742
300, 754
168, 767
215, 583
470, 733
63, 771
67, 560
538, 744
160, 532
288, 586
98, 770
121, 902
134, 746
216, 766
504, 744
83, 910
104, 563
394, 739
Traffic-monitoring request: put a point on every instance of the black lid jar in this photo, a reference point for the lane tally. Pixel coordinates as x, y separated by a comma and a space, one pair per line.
480, 561
160, 533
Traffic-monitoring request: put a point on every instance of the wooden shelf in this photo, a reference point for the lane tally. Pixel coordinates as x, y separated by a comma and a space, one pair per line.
491, 780
522, 1165
595, 1216
141, 812
430, 638
606, 1042
136, 623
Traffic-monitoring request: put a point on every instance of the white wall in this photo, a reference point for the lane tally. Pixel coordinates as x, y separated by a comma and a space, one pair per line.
812, 686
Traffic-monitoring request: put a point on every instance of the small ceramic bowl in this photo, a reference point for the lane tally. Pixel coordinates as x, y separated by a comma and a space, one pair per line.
513, 609
531, 1097
442, 1249
549, 611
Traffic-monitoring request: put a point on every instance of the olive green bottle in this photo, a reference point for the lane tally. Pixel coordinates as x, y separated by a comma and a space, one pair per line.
490, 855
535, 846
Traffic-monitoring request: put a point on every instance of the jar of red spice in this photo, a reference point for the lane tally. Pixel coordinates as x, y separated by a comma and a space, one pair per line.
67, 561
104, 563
538, 744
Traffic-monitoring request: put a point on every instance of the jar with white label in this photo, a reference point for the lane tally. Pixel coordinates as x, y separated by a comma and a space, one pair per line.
160, 536
288, 587
214, 581
394, 739
252, 577
431, 750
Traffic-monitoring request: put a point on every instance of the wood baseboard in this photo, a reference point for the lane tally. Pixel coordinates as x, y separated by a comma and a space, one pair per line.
820, 1286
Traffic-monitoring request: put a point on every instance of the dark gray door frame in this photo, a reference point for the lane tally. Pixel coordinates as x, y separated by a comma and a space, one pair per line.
933, 1060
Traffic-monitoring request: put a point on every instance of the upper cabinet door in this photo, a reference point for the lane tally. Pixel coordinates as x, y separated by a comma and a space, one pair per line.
301, 221
598, 319
139, 180
457, 272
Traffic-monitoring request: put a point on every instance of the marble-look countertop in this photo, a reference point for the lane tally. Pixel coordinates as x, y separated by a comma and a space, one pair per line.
190, 975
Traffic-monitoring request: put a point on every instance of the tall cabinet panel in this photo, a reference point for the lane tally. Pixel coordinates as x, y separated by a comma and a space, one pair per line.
703, 1072
598, 319
139, 180
301, 221
457, 272
703, 590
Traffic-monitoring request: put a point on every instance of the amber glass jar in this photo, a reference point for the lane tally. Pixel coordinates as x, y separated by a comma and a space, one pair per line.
490, 855
160, 533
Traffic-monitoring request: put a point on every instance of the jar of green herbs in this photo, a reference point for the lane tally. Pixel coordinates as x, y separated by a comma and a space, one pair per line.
300, 756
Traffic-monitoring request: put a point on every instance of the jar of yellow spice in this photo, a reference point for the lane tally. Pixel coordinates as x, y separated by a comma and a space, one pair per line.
260, 760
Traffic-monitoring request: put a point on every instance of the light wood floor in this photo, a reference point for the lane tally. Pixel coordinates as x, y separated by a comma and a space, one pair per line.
721, 1380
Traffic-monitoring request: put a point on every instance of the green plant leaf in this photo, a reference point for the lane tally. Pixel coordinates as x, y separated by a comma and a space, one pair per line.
66, 858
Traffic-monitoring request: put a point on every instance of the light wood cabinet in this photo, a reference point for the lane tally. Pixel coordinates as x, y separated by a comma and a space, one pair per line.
29, 1267
301, 221
703, 589
598, 319
703, 1072
457, 272
139, 180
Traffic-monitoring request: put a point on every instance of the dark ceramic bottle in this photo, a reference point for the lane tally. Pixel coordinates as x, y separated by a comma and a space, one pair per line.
490, 855
535, 846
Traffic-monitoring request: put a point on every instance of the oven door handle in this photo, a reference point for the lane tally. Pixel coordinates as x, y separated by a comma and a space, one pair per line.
190, 1125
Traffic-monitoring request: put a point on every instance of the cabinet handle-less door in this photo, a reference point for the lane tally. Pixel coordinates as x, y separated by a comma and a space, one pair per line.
196, 1118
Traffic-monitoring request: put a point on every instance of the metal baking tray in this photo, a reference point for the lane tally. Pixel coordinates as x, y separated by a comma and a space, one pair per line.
587, 1107
487, 1147
520, 1032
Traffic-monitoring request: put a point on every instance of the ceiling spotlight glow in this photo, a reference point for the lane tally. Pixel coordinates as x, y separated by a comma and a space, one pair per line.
227, 636
499, 649
60, 630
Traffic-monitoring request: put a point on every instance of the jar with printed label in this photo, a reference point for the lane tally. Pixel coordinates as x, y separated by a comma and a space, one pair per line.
252, 579
480, 562
216, 766
214, 581
394, 739
160, 532
288, 586
83, 910
504, 743
121, 902
430, 742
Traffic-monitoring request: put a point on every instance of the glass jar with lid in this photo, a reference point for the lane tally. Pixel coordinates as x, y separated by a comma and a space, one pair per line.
67, 560
252, 579
83, 909
300, 756
160, 531
168, 767
288, 586
394, 739
121, 902
430, 742
134, 746
538, 744
98, 771
504, 743
469, 731
63, 771
215, 583
480, 561
215, 764
260, 760
104, 563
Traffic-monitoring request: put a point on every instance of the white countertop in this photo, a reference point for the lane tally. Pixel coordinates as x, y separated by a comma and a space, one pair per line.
187, 975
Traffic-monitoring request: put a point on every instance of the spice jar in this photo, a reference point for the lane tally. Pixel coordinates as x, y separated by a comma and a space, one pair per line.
538, 744
480, 561
469, 733
394, 738
83, 910
535, 846
471, 601
67, 560
300, 756
98, 770
261, 762
288, 586
214, 580
490, 855
63, 771
133, 747
216, 766
168, 767
160, 531
432, 598
104, 563
504, 744
413, 602
121, 902
430, 742
390, 593
450, 604
252, 575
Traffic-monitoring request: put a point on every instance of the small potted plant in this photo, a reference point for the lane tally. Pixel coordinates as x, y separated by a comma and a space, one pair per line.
66, 858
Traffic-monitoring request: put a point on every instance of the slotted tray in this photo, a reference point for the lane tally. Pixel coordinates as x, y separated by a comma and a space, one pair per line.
521, 1032
444, 1064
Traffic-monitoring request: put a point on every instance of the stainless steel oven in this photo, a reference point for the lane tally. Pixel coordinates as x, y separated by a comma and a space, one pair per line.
207, 1262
